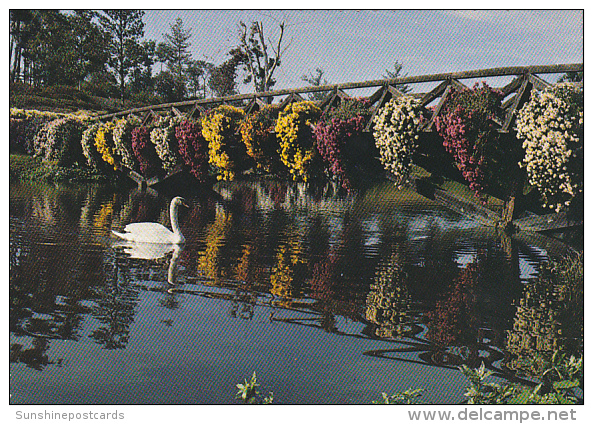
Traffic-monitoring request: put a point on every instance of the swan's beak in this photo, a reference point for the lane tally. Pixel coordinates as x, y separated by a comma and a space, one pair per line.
184, 204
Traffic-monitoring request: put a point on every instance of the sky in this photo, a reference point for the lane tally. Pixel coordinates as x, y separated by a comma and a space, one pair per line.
359, 45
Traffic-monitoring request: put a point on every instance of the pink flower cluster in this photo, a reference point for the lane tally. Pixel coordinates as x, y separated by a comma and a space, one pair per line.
466, 127
144, 151
193, 148
458, 142
332, 139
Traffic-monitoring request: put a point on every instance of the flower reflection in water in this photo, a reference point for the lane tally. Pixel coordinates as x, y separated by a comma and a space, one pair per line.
385, 280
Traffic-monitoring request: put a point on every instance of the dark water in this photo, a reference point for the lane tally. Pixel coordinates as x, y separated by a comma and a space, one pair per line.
329, 299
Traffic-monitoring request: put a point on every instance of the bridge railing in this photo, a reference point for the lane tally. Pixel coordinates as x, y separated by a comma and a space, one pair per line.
515, 93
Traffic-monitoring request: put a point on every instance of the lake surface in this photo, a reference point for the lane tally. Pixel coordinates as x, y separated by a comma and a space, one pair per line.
330, 299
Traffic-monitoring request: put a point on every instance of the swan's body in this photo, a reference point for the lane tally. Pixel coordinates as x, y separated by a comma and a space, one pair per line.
153, 232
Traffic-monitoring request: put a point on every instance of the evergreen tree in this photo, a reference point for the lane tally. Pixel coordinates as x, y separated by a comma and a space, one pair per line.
397, 73
177, 49
125, 28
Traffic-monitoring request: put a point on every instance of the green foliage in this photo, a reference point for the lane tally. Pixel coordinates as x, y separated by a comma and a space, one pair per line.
29, 169
408, 397
481, 392
557, 385
249, 394
315, 80
223, 77
347, 109
397, 73
125, 28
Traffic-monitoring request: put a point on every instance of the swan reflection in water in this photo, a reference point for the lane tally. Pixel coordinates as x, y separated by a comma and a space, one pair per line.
152, 252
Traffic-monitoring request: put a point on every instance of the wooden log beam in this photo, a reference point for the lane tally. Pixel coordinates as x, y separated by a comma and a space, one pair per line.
470, 209
342, 95
481, 73
512, 86
553, 221
394, 91
373, 98
517, 103
434, 93
376, 108
428, 126
328, 99
156, 179
458, 84
538, 83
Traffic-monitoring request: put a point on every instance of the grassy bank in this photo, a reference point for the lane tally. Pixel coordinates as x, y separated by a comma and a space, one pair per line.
64, 99
25, 168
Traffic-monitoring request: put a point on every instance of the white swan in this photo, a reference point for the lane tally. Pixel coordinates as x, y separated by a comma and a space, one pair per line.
153, 232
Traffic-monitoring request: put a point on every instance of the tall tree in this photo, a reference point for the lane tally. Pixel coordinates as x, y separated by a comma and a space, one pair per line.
261, 56
172, 83
168, 87
125, 27
143, 59
19, 19
198, 73
223, 78
89, 44
177, 50
51, 53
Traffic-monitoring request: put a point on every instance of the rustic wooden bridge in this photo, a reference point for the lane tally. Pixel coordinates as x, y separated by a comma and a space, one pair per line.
515, 94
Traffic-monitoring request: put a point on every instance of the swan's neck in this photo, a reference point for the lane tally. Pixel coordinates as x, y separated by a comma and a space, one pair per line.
175, 223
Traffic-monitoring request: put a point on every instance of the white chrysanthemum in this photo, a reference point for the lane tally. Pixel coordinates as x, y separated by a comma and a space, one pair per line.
396, 128
550, 125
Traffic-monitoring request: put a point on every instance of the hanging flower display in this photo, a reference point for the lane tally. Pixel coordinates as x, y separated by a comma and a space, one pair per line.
551, 127
122, 140
341, 142
144, 151
24, 126
165, 142
396, 132
193, 148
89, 149
104, 143
261, 143
297, 146
467, 127
59, 140
225, 150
